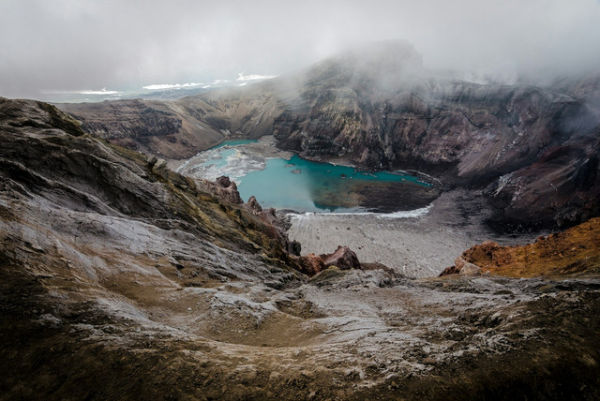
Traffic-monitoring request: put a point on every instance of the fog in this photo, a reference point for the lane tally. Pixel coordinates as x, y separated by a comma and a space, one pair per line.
77, 45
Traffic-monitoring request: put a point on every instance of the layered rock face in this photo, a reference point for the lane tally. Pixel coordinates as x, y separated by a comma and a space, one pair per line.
154, 127
559, 189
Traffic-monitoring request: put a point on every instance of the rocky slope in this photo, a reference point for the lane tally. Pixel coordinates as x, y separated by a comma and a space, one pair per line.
179, 129
123, 280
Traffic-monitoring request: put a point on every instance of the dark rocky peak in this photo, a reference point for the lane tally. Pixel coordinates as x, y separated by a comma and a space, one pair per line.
381, 66
254, 205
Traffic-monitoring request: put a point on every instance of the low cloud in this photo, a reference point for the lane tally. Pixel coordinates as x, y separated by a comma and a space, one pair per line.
101, 92
173, 86
125, 45
253, 77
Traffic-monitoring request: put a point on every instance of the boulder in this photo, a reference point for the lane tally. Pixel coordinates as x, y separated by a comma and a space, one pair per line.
311, 264
462, 267
343, 258
466, 268
294, 248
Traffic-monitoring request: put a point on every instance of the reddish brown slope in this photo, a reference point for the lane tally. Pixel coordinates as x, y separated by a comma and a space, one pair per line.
575, 251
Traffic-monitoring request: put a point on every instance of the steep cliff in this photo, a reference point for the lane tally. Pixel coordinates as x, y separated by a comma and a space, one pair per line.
155, 127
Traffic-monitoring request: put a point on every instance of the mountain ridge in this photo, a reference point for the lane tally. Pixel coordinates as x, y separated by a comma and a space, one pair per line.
385, 111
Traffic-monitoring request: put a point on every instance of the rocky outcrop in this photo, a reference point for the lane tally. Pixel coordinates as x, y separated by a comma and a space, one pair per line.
343, 258
225, 189
254, 205
574, 252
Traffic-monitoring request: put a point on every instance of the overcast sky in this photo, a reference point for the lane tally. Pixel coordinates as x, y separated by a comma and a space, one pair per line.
50, 45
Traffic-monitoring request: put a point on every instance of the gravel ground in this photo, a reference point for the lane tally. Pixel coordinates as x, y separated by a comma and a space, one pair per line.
420, 246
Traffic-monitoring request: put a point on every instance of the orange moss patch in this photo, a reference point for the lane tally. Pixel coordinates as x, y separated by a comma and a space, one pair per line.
575, 251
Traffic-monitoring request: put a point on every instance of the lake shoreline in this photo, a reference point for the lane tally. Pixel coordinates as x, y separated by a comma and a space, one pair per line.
261, 170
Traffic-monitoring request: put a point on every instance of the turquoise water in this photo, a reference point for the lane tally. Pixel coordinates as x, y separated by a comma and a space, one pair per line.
300, 184
235, 142
305, 185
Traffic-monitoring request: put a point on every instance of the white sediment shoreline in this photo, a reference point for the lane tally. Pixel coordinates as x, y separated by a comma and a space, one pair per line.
403, 214
246, 158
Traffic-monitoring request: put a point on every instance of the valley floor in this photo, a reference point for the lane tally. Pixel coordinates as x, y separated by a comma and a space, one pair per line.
416, 247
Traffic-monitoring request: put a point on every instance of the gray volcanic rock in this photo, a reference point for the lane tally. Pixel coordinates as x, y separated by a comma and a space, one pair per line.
561, 188
80, 177
120, 279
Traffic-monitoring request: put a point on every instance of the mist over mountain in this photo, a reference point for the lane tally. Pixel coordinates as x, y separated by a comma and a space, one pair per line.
74, 45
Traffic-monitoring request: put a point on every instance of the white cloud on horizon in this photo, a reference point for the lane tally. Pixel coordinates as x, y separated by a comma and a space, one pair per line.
102, 92
253, 77
174, 86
